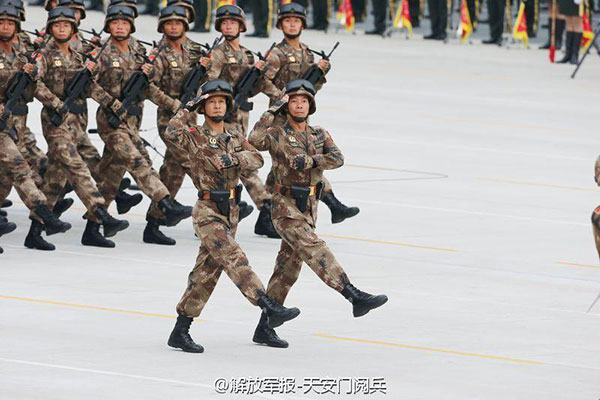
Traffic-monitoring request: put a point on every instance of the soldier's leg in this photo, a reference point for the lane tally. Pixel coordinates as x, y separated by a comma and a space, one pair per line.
35, 156
339, 211
532, 10
5, 186
287, 269
255, 187
596, 228
89, 153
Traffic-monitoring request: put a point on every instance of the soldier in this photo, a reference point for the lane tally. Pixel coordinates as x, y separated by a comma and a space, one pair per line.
300, 154
172, 66
291, 60
570, 10
230, 61
88, 152
559, 27
438, 14
596, 213
216, 156
117, 64
496, 9
12, 163
199, 13
63, 125
262, 15
380, 10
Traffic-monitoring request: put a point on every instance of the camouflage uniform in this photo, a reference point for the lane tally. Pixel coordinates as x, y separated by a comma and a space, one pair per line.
218, 250
55, 71
284, 64
230, 65
297, 229
126, 149
172, 68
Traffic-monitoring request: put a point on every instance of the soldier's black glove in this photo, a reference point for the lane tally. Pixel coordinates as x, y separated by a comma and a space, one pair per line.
192, 105
227, 161
276, 107
300, 163
63, 110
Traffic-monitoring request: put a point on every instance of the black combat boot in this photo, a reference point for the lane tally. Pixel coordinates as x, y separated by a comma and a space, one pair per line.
558, 33
265, 335
126, 201
52, 224
245, 209
180, 337
362, 302
339, 211
264, 223
174, 212
61, 206
153, 235
110, 224
3, 213
6, 227
6, 203
276, 313
34, 238
568, 48
546, 45
93, 237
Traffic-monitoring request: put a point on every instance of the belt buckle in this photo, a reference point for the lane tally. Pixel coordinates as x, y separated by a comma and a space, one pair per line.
231, 194
313, 191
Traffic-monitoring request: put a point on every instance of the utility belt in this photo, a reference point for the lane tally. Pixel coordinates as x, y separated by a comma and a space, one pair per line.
300, 193
222, 197
78, 108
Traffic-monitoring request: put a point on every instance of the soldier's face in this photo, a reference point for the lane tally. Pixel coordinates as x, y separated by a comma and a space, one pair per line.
230, 27
119, 28
174, 29
215, 106
298, 106
53, 4
291, 26
61, 30
7, 29
77, 15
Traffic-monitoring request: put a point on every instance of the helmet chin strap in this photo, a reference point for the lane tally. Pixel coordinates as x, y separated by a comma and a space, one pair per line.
216, 118
289, 36
229, 38
8, 38
63, 40
170, 37
120, 38
298, 119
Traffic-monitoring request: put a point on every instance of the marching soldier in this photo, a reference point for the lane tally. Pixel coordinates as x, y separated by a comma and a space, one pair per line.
300, 154
380, 10
119, 130
6, 227
217, 155
63, 125
88, 152
570, 10
320, 15
290, 60
172, 66
199, 13
12, 163
230, 61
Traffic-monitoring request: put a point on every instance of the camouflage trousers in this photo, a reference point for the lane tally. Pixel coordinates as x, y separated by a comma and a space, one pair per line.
218, 251
300, 244
126, 153
14, 171
250, 179
36, 158
172, 172
66, 164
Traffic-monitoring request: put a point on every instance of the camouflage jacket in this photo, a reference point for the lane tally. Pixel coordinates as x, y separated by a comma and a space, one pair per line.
230, 65
10, 64
284, 144
115, 69
55, 70
285, 64
25, 45
202, 145
171, 70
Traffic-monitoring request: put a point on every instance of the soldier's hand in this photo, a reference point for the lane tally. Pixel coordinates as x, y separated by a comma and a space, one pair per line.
278, 105
1, 109
260, 64
147, 69
96, 41
205, 61
29, 68
90, 65
38, 40
300, 163
192, 104
225, 161
324, 65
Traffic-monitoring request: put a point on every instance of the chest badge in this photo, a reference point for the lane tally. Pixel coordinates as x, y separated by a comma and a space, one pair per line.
293, 141
116, 64
57, 63
292, 59
174, 64
213, 143
232, 60
1, 65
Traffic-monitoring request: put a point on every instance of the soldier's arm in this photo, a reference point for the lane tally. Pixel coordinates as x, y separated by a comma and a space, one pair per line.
321, 81
174, 134
217, 62
159, 69
272, 68
42, 93
248, 158
162, 100
332, 156
267, 87
258, 137
103, 98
